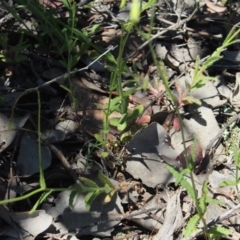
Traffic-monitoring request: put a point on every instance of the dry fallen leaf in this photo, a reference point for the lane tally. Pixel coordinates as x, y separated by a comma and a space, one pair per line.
6, 135
173, 219
215, 8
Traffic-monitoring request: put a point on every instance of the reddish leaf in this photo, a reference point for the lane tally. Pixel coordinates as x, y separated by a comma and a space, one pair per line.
176, 123
198, 159
143, 120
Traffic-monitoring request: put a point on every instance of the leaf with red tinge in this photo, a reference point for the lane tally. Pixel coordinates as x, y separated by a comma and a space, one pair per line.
143, 120
180, 93
176, 123
51, 3
195, 157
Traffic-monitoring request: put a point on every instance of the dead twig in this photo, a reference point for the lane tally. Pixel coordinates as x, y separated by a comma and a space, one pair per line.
172, 27
64, 161
75, 71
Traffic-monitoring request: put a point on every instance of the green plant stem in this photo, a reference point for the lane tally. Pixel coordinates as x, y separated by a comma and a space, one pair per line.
41, 172
162, 72
116, 84
39, 190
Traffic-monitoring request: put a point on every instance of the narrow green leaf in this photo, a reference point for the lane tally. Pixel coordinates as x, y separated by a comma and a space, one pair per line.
104, 154
88, 182
114, 104
66, 3
114, 121
10, 124
148, 4
211, 60
228, 183
104, 179
135, 11
137, 111
106, 188
205, 189
236, 155
191, 226
127, 93
95, 28
196, 67
215, 201
123, 4
191, 100
89, 198
218, 231
109, 57
66, 88
183, 181
99, 137
72, 196
202, 205
40, 200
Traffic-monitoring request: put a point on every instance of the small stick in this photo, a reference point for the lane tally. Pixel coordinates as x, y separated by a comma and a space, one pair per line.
64, 161
75, 71
172, 27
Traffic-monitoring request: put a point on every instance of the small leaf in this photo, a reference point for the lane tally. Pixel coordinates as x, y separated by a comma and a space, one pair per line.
196, 67
227, 183
236, 155
105, 179
126, 137
109, 57
71, 198
180, 178
66, 88
104, 154
123, 4
191, 226
115, 104
148, 4
99, 138
190, 100
122, 122
114, 121
89, 198
135, 113
135, 11
202, 205
218, 231
176, 123
215, 201
88, 182
109, 196
40, 200
95, 28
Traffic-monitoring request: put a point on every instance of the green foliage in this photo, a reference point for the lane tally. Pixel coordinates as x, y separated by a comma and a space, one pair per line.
191, 225
70, 44
12, 54
236, 154
135, 11
217, 232
200, 202
199, 79
92, 190
41, 199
